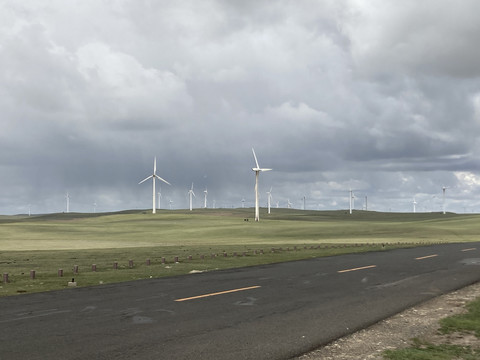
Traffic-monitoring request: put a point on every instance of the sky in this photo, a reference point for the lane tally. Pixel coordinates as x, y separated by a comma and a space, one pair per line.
378, 96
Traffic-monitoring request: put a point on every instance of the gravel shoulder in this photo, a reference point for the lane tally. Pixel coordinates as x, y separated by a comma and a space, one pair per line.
397, 331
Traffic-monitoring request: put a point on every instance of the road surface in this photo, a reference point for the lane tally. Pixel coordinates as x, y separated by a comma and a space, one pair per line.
264, 312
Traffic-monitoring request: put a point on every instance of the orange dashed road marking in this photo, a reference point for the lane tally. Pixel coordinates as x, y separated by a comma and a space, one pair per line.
426, 257
218, 293
359, 268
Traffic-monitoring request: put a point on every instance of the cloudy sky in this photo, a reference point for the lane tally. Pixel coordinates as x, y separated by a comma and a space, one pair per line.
382, 97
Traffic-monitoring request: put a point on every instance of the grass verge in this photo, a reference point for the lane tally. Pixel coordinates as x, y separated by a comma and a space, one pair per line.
146, 262
467, 323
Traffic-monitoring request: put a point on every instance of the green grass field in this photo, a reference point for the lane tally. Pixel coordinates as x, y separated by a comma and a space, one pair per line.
59, 241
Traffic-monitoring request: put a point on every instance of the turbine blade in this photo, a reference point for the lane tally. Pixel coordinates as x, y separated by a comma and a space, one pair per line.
145, 179
256, 161
159, 178
155, 165
265, 169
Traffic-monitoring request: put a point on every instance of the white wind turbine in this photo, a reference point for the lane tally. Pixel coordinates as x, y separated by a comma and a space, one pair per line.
191, 194
443, 199
159, 199
289, 204
414, 204
352, 200
303, 198
205, 200
171, 202
68, 202
269, 194
153, 177
257, 170
243, 203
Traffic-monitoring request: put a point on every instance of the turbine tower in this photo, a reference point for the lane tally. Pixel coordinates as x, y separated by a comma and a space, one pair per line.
257, 170
190, 193
159, 201
68, 202
352, 200
153, 177
303, 202
243, 203
269, 198
414, 203
443, 199
205, 202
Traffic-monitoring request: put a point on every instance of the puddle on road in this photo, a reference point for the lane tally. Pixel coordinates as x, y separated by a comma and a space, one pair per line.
474, 261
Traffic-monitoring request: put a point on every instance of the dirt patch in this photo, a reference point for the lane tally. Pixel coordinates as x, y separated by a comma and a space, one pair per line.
397, 331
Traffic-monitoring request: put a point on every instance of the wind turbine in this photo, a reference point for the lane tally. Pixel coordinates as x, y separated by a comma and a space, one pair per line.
352, 201
153, 177
303, 202
205, 202
289, 204
171, 202
159, 199
257, 170
443, 199
269, 197
190, 193
414, 203
243, 203
68, 202
94, 207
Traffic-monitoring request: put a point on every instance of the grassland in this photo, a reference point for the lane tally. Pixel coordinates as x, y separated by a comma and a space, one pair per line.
50, 242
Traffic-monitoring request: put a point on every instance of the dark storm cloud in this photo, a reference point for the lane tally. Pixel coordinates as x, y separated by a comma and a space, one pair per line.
382, 97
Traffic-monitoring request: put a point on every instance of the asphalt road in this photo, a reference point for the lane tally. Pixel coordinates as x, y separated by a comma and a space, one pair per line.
264, 312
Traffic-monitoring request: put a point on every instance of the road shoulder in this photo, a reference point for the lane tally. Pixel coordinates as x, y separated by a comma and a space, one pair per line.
398, 330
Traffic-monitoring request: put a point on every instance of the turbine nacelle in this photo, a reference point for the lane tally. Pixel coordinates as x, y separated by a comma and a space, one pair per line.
258, 168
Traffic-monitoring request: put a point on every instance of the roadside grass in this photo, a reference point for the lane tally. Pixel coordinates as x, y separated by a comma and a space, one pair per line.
161, 263
466, 323
50, 242
425, 351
